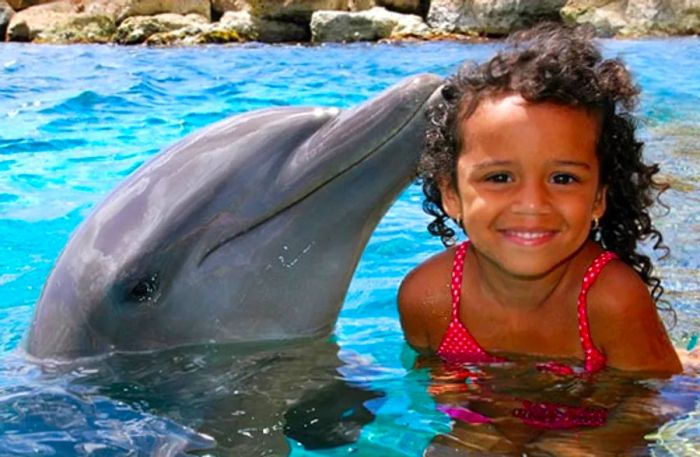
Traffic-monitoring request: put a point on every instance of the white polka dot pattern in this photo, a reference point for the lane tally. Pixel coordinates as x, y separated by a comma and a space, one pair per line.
594, 359
458, 345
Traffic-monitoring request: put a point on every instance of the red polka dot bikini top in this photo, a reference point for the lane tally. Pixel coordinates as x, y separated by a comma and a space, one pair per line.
459, 346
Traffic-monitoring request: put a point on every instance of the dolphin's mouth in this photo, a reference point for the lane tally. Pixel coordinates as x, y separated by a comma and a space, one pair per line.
360, 160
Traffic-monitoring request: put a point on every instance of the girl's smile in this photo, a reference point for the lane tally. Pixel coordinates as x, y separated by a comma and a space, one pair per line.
528, 237
527, 187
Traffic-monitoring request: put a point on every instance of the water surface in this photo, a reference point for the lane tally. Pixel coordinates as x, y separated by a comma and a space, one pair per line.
76, 120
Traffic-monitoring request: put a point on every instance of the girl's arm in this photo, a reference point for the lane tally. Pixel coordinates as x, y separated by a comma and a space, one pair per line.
412, 313
626, 326
424, 302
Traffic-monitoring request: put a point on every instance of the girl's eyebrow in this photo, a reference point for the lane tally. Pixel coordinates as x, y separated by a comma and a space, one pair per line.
493, 163
573, 163
504, 163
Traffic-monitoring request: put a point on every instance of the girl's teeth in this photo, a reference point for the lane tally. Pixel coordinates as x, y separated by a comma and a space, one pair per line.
530, 235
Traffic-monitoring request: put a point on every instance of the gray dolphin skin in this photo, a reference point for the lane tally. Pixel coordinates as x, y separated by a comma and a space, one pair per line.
248, 230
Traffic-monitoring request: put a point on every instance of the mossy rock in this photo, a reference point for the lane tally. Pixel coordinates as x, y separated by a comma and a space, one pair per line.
80, 29
137, 29
218, 36
195, 35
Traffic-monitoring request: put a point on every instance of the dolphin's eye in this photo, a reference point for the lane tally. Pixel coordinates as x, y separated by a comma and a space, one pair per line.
145, 289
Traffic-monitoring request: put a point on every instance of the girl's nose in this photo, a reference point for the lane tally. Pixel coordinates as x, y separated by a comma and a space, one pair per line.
531, 198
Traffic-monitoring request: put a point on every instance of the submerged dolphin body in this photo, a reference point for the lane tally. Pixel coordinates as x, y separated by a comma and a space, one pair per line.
248, 230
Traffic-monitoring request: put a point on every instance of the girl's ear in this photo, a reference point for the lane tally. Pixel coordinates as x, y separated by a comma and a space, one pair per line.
450, 199
600, 202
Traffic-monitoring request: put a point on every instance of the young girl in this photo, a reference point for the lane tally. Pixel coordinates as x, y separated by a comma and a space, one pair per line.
533, 154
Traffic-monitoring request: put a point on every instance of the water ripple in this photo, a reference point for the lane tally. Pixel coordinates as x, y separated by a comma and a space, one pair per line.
24, 145
89, 100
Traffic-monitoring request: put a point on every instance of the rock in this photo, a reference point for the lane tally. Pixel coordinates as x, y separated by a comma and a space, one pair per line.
636, 17
301, 10
194, 35
445, 15
288, 10
220, 7
371, 25
361, 5
408, 25
402, 6
27, 24
254, 28
81, 28
232, 28
119, 10
178, 36
648, 13
6, 13
339, 26
242, 22
687, 17
23, 4
608, 18
215, 35
645, 17
59, 21
490, 17
137, 29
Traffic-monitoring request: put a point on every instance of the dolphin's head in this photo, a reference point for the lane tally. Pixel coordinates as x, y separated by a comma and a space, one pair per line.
248, 230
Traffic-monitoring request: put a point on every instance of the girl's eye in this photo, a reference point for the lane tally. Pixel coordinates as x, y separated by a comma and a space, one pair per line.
564, 178
499, 178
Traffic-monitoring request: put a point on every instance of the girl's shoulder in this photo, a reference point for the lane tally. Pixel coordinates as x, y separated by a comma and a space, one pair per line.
424, 300
434, 272
617, 297
619, 293
625, 324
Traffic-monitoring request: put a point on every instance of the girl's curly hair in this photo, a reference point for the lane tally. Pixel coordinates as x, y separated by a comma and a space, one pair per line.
560, 64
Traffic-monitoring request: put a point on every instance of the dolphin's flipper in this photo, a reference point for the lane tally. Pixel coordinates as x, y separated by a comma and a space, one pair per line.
330, 417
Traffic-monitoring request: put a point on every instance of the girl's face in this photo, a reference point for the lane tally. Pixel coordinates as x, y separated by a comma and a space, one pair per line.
527, 185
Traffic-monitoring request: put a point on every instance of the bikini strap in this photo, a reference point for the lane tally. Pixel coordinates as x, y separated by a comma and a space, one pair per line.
594, 357
456, 284
458, 345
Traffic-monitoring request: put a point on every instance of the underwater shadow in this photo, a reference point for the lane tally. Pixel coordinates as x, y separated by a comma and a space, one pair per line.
250, 400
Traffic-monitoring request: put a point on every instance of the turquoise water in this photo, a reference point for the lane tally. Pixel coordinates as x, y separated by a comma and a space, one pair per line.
74, 121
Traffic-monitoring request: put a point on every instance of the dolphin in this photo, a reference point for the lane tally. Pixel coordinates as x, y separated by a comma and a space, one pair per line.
246, 231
